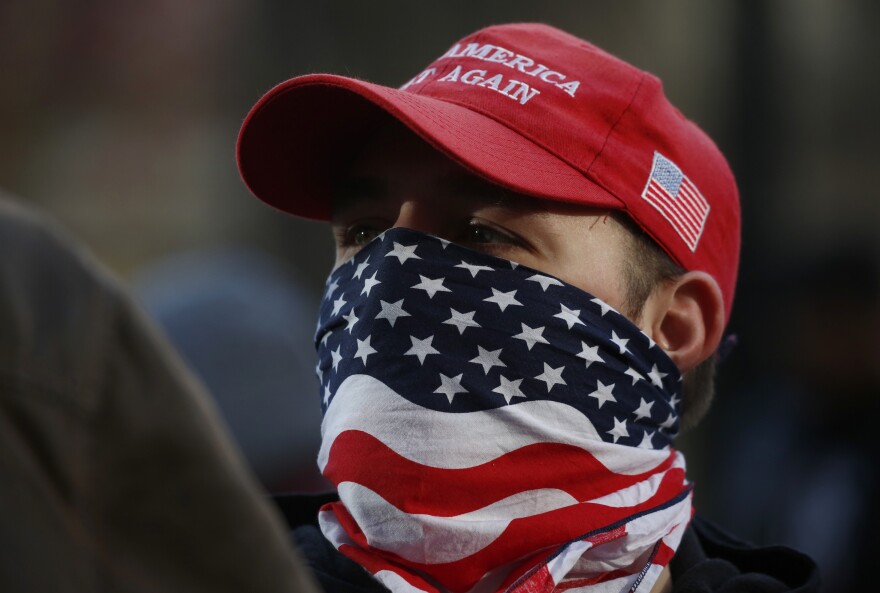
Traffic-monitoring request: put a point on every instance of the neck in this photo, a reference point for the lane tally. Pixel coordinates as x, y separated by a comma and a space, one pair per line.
664, 582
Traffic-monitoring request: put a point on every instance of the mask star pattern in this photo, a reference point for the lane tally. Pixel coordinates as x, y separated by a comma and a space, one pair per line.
457, 330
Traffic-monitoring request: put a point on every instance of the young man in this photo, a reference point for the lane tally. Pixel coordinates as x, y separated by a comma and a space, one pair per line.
492, 422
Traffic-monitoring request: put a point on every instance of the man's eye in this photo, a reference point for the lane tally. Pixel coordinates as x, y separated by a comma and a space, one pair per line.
360, 235
480, 233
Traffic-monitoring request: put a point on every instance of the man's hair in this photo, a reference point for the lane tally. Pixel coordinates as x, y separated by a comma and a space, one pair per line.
648, 268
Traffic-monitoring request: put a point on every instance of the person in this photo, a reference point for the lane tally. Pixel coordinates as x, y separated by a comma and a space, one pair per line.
536, 256
116, 473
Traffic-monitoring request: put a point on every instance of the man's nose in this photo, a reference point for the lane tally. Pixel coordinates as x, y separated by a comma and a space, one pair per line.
422, 216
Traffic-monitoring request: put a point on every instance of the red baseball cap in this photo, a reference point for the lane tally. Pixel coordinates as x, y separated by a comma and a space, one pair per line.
526, 106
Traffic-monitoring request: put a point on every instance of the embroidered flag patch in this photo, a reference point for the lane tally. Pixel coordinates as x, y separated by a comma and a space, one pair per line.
677, 199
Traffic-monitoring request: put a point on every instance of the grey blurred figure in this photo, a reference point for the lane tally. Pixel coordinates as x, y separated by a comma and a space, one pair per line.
115, 472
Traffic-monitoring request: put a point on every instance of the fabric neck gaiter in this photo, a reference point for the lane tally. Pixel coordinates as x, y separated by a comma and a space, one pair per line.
491, 428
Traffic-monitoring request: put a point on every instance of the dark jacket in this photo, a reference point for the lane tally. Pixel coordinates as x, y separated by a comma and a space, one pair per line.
115, 471
707, 561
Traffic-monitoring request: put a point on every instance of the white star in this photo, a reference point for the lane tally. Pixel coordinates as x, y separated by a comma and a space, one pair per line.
326, 396
369, 283
509, 389
503, 299
488, 359
351, 318
430, 286
590, 354
462, 320
337, 305
673, 401
360, 269
619, 430
644, 409
403, 252
514, 265
569, 316
337, 357
473, 269
657, 377
544, 281
331, 288
551, 376
391, 311
646, 440
364, 349
603, 393
620, 342
531, 335
421, 348
326, 337
669, 422
631, 372
604, 306
449, 386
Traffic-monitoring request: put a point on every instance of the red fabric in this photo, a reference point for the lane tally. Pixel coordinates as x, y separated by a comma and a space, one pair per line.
591, 143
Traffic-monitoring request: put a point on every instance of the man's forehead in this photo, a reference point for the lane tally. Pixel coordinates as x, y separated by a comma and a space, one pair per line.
426, 176
396, 164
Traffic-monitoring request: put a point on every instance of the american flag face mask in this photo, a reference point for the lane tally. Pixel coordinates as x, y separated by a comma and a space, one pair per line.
491, 428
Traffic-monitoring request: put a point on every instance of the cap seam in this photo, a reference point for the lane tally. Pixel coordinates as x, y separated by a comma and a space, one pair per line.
582, 172
625, 110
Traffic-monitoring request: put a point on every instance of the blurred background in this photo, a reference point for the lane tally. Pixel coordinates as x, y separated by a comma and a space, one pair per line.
120, 117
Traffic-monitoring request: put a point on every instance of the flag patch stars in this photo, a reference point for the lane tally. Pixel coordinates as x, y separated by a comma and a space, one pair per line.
456, 331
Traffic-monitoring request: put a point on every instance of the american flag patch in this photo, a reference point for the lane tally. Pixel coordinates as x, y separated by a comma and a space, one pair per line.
677, 199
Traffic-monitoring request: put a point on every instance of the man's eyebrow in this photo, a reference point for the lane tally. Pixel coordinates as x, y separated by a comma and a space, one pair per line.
354, 190
484, 193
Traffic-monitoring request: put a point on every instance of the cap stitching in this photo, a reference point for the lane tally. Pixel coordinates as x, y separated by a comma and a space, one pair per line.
616, 122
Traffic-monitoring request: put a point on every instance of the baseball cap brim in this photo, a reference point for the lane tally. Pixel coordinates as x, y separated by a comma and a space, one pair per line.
297, 139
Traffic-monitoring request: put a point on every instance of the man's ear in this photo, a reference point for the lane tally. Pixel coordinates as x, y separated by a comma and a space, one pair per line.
685, 317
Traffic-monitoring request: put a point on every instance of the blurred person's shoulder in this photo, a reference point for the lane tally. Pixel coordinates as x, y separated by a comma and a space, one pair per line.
56, 302
33, 244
